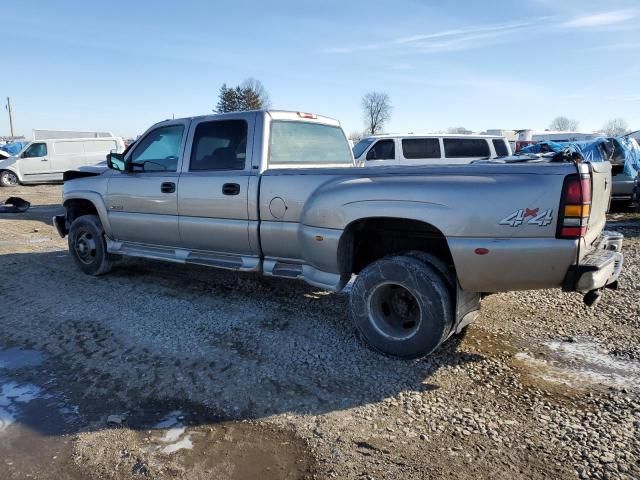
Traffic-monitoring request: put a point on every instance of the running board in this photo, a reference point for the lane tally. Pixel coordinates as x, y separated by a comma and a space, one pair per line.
180, 255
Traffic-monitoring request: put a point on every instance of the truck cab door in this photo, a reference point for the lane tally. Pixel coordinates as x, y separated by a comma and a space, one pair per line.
34, 163
383, 152
214, 195
143, 203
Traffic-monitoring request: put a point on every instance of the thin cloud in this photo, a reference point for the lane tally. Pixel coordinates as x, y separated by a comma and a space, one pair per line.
601, 19
446, 40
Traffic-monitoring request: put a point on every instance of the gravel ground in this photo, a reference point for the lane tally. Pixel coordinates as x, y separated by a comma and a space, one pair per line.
165, 371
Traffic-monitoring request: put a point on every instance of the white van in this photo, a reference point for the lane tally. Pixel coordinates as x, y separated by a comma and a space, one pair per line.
414, 149
42, 161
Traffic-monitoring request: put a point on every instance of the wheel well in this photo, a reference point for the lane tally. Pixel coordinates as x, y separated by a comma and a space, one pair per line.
367, 240
78, 207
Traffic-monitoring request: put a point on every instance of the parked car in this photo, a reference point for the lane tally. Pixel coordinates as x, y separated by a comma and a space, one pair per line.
413, 149
278, 193
42, 161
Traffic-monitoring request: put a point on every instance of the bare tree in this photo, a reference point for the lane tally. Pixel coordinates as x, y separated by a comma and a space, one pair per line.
564, 124
615, 127
355, 137
256, 86
376, 110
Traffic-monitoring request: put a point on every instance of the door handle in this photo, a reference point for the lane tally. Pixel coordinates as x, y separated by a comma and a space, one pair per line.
168, 187
44, 160
230, 189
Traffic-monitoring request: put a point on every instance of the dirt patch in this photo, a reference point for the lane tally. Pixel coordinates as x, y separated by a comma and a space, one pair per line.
227, 451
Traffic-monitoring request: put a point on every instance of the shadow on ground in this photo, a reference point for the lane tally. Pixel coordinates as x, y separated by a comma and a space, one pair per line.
152, 338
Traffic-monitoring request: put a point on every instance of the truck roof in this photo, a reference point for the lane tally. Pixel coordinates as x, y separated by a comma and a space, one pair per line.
436, 135
274, 114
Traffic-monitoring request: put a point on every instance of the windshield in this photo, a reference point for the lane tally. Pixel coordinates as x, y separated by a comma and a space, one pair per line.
361, 146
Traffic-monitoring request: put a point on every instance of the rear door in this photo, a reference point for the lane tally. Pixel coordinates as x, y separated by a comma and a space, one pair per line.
214, 187
143, 204
459, 150
420, 151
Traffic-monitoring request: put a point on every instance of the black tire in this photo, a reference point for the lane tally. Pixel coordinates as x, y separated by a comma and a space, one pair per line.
8, 179
88, 247
402, 307
432, 261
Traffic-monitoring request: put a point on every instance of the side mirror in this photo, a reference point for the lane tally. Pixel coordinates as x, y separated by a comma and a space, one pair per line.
115, 161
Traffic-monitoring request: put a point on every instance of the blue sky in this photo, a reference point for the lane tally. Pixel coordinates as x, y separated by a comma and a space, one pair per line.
122, 66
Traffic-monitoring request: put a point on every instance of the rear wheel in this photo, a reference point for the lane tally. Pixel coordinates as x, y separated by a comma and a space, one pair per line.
8, 178
402, 306
88, 247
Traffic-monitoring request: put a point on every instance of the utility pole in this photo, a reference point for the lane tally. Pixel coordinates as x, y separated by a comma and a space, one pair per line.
10, 115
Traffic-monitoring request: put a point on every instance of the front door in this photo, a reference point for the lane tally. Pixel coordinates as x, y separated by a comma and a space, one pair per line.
214, 187
143, 203
383, 152
35, 165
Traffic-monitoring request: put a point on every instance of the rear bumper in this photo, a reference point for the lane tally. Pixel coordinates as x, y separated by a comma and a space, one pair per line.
599, 268
622, 187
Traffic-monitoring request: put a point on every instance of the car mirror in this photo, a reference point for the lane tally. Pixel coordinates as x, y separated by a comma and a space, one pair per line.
115, 161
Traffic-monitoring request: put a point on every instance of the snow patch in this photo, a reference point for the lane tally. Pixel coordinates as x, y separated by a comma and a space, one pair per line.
577, 363
185, 443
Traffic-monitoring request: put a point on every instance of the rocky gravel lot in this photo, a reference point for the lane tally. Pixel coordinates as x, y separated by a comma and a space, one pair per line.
166, 371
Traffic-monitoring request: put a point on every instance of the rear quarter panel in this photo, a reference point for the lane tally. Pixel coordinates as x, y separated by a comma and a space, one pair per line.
470, 205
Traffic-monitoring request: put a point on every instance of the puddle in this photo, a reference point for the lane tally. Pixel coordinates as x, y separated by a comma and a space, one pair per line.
580, 364
13, 358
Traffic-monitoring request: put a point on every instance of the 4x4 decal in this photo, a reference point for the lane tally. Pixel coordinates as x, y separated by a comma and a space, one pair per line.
529, 216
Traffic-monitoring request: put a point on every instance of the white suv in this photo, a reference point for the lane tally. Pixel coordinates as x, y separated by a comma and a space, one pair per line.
411, 149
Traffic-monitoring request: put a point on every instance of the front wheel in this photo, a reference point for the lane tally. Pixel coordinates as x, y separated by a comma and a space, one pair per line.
8, 178
88, 247
402, 306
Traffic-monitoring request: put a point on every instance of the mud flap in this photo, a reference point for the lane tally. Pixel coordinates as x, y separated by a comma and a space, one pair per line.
467, 309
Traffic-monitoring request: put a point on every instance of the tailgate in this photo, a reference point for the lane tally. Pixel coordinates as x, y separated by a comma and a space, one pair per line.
600, 198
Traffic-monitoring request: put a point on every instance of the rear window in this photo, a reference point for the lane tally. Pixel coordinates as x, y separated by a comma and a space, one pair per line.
308, 143
466, 147
500, 147
421, 148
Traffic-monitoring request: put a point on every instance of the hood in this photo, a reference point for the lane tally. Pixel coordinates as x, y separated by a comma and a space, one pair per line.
86, 171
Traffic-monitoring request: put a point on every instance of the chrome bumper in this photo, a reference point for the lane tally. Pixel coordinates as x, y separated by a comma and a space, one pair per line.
600, 268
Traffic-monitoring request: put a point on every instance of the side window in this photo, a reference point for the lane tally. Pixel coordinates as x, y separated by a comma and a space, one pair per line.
35, 150
219, 145
466, 147
159, 150
382, 150
501, 147
413, 148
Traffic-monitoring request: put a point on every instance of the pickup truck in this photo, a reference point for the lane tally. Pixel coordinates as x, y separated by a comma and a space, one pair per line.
278, 193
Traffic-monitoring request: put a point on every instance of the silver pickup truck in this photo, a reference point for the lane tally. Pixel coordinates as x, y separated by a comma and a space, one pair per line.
278, 193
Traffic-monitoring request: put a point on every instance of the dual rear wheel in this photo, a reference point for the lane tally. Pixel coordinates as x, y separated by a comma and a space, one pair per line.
403, 305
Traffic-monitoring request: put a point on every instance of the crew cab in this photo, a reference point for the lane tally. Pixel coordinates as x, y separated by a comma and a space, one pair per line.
278, 193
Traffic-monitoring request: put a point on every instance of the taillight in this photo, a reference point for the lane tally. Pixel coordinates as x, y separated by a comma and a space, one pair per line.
307, 115
575, 207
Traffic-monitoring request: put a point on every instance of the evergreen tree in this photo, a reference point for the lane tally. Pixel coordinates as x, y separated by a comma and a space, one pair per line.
250, 95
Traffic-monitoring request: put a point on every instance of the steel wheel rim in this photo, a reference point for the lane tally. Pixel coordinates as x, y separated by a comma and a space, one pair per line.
85, 247
394, 311
9, 178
